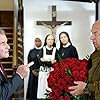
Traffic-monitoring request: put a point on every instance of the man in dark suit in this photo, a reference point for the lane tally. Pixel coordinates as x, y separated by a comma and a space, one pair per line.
8, 87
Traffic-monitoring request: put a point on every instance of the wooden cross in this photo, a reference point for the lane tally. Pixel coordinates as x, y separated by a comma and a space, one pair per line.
54, 23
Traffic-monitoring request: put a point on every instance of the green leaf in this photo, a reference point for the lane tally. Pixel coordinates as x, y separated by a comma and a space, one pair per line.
77, 98
59, 57
68, 72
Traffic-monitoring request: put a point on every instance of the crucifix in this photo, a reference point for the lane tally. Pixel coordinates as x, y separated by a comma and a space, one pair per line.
52, 25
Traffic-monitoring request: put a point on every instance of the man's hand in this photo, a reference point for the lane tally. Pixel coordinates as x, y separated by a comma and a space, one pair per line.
78, 89
23, 70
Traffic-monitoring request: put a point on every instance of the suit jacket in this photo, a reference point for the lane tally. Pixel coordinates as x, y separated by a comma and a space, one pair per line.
8, 87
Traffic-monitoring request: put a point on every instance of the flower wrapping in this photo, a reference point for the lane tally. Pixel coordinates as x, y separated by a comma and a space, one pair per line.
64, 74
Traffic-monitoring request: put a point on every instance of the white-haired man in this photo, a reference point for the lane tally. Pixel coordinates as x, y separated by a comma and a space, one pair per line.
8, 87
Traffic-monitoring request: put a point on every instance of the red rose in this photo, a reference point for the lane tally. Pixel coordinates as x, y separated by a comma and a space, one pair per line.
61, 83
55, 66
56, 74
64, 74
82, 73
75, 67
75, 73
67, 98
51, 80
56, 90
53, 96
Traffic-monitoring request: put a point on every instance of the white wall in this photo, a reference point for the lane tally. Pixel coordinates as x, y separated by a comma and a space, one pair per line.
82, 17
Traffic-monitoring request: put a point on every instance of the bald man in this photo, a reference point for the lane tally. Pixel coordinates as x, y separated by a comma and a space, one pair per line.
91, 89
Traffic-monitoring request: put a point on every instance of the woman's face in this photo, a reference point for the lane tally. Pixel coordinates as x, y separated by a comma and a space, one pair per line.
63, 39
50, 40
38, 42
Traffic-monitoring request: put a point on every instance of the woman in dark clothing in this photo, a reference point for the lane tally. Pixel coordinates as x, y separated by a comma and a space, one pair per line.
33, 77
66, 50
48, 56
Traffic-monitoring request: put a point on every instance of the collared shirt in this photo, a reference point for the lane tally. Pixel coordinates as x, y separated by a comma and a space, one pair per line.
1, 71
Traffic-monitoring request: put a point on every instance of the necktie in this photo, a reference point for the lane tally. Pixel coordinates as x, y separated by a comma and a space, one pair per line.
3, 72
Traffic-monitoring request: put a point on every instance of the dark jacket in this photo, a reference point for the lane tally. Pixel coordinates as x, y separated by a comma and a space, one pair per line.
8, 87
94, 78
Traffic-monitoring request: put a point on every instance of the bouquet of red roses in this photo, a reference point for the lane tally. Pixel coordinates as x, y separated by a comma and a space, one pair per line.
64, 74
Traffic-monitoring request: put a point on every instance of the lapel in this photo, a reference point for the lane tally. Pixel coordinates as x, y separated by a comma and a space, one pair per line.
3, 77
2, 72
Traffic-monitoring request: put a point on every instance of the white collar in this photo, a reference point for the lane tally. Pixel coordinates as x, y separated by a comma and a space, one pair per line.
1, 71
68, 44
38, 47
49, 48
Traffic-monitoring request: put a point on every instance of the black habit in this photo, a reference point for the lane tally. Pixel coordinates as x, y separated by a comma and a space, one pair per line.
68, 52
33, 80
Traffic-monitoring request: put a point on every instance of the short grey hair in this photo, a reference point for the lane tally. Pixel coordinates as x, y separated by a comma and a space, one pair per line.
2, 31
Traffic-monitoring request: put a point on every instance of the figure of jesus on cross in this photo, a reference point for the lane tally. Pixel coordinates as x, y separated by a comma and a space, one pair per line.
54, 24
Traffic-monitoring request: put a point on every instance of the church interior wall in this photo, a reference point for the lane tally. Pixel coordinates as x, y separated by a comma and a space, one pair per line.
79, 32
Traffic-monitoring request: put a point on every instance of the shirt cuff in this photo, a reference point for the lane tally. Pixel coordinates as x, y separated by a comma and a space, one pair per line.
20, 75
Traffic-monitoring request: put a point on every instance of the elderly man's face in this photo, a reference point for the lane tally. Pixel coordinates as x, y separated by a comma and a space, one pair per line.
4, 47
96, 35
